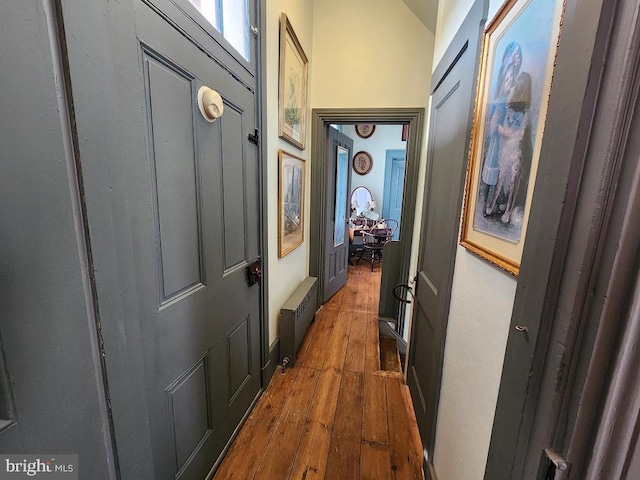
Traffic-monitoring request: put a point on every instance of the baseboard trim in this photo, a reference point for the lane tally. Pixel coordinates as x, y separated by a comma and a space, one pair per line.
272, 364
429, 471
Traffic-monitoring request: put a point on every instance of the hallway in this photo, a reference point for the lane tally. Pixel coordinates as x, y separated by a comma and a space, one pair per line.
335, 415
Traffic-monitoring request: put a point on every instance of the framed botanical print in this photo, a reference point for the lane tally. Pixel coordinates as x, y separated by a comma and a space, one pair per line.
290, 202
365, 130
362, 163
293, 79
514, 84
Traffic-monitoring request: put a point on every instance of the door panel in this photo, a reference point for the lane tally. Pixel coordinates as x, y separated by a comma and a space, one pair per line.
204, 309
336, 257
444, 191
190, 192
447, 158
176, 183
393, 187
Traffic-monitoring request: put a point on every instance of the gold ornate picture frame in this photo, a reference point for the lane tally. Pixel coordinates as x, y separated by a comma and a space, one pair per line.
514, 84
293, 84
291, 181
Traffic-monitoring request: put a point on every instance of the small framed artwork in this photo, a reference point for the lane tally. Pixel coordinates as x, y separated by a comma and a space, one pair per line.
362, 163
405, 132
293, 79
290, 202
514, 84
365, 130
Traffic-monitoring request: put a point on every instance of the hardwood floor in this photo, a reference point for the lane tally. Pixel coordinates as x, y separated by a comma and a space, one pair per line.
335, 415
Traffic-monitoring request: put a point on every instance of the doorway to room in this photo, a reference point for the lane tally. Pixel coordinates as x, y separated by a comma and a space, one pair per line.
387, 122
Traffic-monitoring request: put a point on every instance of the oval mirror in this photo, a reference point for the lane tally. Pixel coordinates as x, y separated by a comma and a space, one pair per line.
361, 201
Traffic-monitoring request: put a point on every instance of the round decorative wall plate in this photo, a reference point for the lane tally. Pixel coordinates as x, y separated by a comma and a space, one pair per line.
362, 163
365, 130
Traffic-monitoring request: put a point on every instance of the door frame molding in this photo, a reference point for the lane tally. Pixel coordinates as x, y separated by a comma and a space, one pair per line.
267, 362
321, 118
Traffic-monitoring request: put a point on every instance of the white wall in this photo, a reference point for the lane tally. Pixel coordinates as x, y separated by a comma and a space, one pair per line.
285, 274
386, 137
480, 312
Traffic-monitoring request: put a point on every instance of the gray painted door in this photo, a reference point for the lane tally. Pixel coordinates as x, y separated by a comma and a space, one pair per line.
52, 398
338, 190
393, 187
447, 158
173, 210
578, 281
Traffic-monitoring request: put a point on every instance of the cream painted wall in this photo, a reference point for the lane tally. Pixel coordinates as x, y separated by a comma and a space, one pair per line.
479, 318
285, 274
450, 16
373, 53
362, 53
369, 53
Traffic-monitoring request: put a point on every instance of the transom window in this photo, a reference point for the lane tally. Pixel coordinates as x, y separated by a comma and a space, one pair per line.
231, 19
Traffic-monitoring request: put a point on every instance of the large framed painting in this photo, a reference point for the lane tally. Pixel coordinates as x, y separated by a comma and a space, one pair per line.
292, 96
340, 212
514, 83
290, 202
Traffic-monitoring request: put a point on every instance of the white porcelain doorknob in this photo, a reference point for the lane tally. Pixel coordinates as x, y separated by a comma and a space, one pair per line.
210, 104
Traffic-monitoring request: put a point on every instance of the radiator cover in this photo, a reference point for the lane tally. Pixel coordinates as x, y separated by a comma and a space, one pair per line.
295, 317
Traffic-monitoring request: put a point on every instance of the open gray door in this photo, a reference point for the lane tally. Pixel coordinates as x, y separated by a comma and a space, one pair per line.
569, 393
173, 213
338, 197
451, 112
52, 397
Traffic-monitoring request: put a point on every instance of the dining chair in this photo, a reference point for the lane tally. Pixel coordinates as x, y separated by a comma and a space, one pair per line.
373, 240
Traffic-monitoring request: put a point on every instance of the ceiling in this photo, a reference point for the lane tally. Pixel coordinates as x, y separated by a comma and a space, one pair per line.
426, 11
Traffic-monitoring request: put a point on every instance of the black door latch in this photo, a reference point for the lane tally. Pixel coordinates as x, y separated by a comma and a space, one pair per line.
254, 138
254, 272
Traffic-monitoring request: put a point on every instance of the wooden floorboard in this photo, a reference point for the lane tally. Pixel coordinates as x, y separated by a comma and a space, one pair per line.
406, 458
375, 462
316, 351
389, 356
281, 450
375, 428
354, 360
335, 414
372, 346
247, 449
306, 342
336, 349
361, 303
311, 461
335, 302
344, 451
